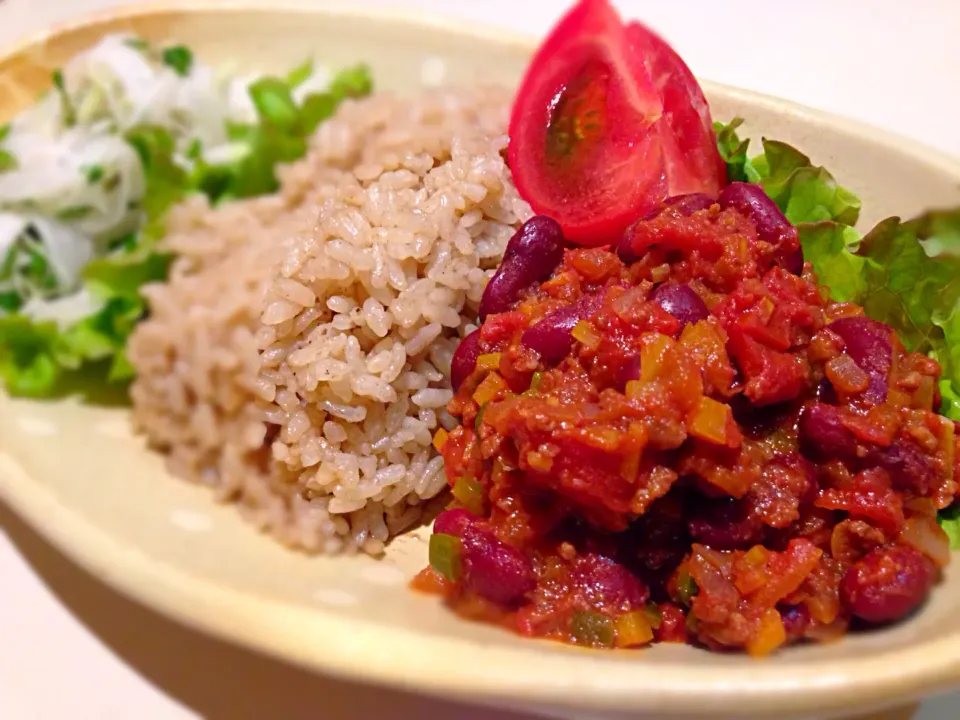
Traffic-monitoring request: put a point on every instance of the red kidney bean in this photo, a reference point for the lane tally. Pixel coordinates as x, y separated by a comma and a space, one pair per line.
464, 359
532, 254
455, 521
796, 619
811, 487
868, 343
630, 370
680, 301
823, 436
771, 224
723, 524
792, 260
887, 584
909, 468
603, 581
758, 419
551, 336
826, 393
751, 200
494, 570
659, 538
673, 626
491, 569
685, 205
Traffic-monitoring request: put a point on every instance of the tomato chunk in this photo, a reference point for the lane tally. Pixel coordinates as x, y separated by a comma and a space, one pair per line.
582, 146
607, 122
771, 376
688, 142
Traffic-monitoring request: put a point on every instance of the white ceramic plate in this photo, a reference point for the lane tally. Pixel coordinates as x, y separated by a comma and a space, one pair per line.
75, 472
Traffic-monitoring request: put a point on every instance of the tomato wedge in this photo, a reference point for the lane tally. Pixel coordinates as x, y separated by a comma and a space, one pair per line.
582, 145
607, 123
689, 144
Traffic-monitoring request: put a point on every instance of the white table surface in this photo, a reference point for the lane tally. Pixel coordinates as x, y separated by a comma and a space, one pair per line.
71, 648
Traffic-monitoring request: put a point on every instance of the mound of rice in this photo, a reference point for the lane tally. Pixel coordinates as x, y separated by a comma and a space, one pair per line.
354, 284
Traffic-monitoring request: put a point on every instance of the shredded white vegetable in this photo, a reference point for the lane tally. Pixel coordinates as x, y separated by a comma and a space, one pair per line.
65, 311
63, 251
86, 177
76, 185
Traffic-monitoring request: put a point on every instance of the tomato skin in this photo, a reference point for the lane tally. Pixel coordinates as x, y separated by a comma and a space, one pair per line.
597, 170
607, 123
692, 160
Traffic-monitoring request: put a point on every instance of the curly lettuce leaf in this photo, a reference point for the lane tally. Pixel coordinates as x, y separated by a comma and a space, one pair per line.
733, 150
32, 356
950, 522
280, 134
830, 246
803, 191
166, 182
39, 357
905, 274
36, 357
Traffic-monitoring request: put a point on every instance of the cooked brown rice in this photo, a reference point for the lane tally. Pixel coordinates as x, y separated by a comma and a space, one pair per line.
354, 282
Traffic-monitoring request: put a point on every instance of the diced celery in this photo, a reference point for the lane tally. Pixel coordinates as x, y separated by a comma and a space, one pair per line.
592, 628
469, 493
445, 555
479, 420
686, 588
654, 616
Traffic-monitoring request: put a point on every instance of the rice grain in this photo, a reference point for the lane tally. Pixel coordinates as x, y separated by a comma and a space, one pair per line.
297, 359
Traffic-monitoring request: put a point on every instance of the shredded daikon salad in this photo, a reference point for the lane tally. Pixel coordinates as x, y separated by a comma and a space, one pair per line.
87, 174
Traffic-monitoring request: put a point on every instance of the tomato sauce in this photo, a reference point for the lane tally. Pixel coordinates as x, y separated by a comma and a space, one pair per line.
684, 441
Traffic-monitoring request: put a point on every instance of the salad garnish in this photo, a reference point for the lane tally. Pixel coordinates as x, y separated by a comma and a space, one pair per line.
87, 175
905, 273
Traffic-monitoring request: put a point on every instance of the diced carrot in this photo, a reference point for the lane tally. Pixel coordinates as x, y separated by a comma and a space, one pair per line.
846, 376
429, 580
630, 466
652, 355
704, 343
924, 394
489, 361
632, 629
948, 445
539, 461
602, 438
585, 333
787, 570
824, 346
491, 386
769, 636
751, 570
713, 421
440, 439
634, 389
635, 440
824, 607
660, 272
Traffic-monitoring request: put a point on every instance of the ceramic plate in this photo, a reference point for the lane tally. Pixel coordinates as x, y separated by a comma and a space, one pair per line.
78, 475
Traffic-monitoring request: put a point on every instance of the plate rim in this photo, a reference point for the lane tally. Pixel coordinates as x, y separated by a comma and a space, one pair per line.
350, 646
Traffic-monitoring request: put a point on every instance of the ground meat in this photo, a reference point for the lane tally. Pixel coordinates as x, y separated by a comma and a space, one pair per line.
692, 447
